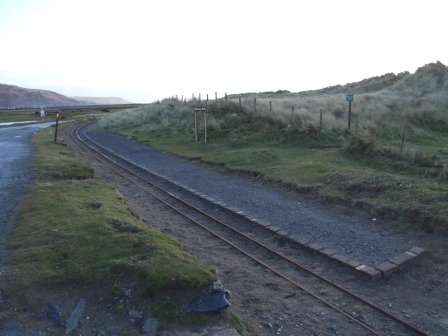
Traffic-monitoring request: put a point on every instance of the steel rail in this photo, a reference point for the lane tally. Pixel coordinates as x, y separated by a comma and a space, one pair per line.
82, 143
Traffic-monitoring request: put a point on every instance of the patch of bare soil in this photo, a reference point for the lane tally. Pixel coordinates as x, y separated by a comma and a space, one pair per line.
269, 305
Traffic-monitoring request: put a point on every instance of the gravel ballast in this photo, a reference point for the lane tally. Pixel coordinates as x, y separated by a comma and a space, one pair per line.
363, 239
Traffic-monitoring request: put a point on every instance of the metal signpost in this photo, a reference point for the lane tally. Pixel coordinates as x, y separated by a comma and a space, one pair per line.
349, 98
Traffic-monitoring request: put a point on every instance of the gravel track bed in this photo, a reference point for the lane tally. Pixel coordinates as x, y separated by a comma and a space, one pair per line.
363, 239
417, 294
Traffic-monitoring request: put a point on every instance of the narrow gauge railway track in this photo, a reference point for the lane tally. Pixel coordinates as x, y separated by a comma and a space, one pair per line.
365, 314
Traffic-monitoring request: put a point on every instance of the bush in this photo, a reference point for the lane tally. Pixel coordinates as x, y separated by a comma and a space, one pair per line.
356, 144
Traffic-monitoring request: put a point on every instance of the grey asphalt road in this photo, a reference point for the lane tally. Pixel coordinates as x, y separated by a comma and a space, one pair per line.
16, 173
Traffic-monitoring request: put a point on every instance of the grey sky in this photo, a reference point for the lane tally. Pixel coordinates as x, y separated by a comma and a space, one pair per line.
146, 50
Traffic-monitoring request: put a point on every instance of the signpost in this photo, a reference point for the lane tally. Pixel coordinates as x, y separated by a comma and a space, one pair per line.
349, 98
195, 125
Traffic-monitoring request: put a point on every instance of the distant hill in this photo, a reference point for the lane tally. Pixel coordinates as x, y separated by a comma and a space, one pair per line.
15, 96
102, 100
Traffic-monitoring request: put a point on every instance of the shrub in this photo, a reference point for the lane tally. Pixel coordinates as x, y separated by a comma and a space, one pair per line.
356, 144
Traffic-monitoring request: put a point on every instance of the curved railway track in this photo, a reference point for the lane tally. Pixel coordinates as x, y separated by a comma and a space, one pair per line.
366, 315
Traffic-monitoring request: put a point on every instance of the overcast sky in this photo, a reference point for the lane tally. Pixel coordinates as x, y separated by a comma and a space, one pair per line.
147, 50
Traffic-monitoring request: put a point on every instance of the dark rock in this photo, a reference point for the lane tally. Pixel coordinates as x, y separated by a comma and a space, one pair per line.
135, 315
331, 328
268, 325
127, 292
214, 298
198, 330
74, 318
150, 327
54, 314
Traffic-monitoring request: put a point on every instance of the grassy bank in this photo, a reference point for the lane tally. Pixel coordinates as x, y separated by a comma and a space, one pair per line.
358, 170
75, 231
33, 114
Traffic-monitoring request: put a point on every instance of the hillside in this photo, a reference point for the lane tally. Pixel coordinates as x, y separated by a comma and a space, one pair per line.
15, 96
102, 100
381, 104
427, 79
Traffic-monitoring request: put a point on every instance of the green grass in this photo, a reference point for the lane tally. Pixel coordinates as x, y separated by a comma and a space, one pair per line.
74, 230
236, 323
358, 170
21, 115
54, 162
50, 114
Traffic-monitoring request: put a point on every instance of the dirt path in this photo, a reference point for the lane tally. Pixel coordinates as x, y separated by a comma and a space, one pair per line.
269, 305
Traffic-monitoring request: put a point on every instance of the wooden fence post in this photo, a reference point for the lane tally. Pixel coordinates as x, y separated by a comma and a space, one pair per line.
56, 128
349, 115
205, 126
320, 123
195, 125
255, 105
239, 101
402, 139
270, 106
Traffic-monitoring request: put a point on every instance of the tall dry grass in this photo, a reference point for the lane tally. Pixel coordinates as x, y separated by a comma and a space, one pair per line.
379, 114
169, 115
418, 100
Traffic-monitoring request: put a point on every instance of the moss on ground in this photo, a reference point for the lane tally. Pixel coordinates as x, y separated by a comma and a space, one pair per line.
72, 229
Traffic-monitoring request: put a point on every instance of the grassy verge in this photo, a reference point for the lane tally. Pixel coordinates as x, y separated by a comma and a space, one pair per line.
358, 171
50, 114
75, 231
